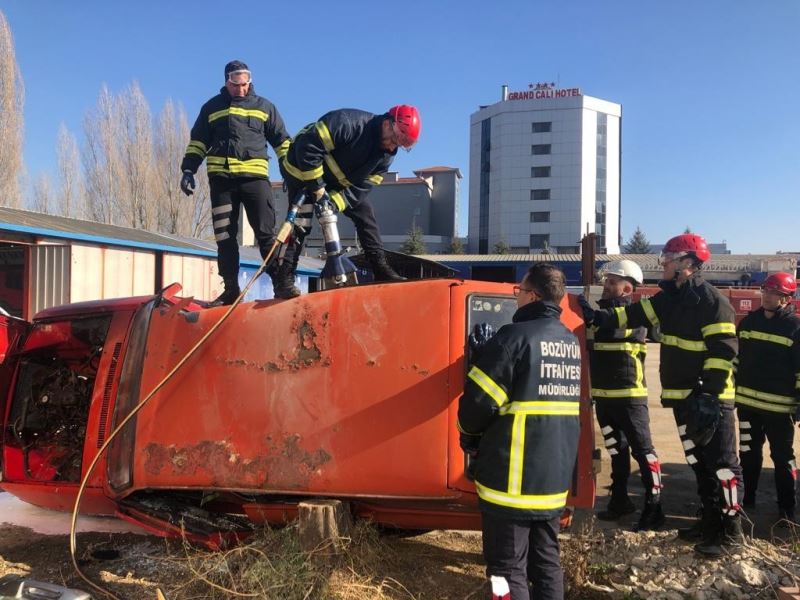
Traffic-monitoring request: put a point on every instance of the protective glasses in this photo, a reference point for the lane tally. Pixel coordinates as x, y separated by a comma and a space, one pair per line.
240, 77
519, 288
667, 257
401, 139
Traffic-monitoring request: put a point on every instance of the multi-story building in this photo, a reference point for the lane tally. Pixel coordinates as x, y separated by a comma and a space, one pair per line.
544, 170
427, 201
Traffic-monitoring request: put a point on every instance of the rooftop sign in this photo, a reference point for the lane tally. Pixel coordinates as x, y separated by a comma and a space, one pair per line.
538, 91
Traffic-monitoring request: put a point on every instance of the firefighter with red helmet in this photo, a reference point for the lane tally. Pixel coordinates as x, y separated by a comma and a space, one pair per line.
619, 391
341, 157
768, 390
698, 346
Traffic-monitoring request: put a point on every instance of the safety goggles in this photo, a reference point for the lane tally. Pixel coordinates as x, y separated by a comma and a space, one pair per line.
401, 139
667, 257
240, 77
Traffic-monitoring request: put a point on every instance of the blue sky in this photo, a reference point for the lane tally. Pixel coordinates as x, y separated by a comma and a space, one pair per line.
710, 89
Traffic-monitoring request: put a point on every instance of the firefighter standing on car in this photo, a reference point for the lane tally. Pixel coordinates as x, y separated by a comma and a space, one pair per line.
768, 390
231, 133
343, 156
616, 359
519, 418
698, 346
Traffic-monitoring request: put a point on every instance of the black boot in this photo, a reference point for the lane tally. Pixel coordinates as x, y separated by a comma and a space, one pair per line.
618, 507
381, 270
709, 521
729, 536
652, 516
227, 297
282, 276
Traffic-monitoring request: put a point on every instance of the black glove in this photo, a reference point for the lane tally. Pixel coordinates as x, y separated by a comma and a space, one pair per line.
586, 309
702, 417
481, 334
187, 183
469, 444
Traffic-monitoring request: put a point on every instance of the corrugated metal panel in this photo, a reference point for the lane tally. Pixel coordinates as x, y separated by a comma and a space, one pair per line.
198, 276
49, 277
111, 273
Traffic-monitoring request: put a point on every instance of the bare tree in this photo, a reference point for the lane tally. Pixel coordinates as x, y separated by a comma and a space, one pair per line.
135, 146
12, 100
70, 197
100, 162
42, 198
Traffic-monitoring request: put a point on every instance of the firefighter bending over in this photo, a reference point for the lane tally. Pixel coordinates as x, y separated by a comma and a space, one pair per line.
620, 395
344, 155
518, 418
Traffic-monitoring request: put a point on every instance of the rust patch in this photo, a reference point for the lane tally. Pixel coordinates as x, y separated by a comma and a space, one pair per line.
285, 465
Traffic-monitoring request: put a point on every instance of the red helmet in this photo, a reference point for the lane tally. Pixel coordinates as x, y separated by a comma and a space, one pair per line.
407, 124
687, 244
781, 282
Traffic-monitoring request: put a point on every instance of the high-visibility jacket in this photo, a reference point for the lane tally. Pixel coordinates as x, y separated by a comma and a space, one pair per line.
521, 399
698, 337
231, 134
768, 365
616, 360
342, 151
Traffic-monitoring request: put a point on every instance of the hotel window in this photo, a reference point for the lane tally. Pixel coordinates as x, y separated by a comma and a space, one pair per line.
540, 194
541, 127
540, 171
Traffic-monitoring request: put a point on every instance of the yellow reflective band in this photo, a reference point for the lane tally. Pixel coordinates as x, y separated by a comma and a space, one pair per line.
525, 501
196, 147
624, 346
639, 383
729, 392
635, 392
692, 345
622, 316
325, 136
487, 384
337, 172
740, 389
766, 337
239, 112
375, 179
315, 173
515, 460
227, 164
283, 148
627, 332
778, 408
462, 430
675, 394
717, 363
542, 407
716, 328
647, 306
338, 199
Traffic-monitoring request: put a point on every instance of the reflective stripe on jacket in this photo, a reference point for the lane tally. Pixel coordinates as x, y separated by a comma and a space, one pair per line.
522, 399
231, 134
698, 337
768, 365
341, 151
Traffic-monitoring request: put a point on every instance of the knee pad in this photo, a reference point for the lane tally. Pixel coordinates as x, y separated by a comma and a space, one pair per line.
730, 500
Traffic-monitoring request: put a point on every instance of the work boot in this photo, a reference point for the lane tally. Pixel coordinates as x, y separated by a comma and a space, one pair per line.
228, 296
617, 507
652, 516
728, 536
282, 276
381, 269
749, 501
709, 521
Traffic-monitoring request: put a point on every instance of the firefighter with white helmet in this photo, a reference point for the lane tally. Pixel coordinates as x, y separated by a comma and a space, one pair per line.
616, 358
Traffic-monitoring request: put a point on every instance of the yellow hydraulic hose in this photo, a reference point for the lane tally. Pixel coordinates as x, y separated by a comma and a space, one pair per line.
282, 236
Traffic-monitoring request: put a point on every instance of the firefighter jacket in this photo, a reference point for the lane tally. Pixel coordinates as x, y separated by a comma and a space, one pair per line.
768, 365
342, 151
232, 135
616, 360
698, 337
521, 401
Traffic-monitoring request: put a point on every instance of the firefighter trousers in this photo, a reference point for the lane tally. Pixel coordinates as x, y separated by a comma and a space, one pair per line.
362, 214
626, 430
756, 426
715, 465
227, 195
522, 552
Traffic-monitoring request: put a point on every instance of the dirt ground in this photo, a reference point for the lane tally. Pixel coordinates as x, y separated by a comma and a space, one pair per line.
605, 562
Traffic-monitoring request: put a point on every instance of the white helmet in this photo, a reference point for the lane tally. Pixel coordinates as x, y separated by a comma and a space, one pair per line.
624, 268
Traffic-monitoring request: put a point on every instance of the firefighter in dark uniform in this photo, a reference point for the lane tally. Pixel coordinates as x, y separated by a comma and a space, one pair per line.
616, 358
519, 418
698, 345
768, 390
231, 134
344, 155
